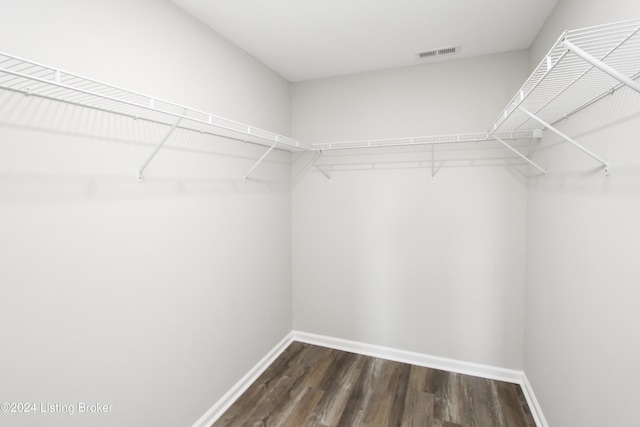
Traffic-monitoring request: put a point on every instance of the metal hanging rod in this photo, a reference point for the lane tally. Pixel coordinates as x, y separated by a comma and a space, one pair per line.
37, 80
602, 66
594, 100
582, 67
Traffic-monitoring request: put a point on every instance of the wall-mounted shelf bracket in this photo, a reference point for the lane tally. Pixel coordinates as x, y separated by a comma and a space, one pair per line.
158, 147
601, 65
519, 154
324, 167
264, 156
568, 139
433, 163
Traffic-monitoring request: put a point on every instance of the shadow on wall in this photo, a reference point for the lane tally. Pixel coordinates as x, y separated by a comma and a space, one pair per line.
607, 128
433, 158
55, 151
563, 162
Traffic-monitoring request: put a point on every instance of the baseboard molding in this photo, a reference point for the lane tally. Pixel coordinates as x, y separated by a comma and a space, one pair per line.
388, 353
419, 359
241, 386
434, 362
533, 403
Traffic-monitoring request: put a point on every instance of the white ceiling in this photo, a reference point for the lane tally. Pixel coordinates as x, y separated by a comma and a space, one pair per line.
309, 39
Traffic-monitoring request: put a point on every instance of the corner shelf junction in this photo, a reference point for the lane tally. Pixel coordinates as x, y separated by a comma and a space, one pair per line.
582, 67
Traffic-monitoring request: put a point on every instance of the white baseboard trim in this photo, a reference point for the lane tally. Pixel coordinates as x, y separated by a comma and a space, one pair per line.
533, 403
388, 353
419, 359
434, 362
241, 386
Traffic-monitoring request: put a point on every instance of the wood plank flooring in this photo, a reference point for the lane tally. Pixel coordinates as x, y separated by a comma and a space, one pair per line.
311, 386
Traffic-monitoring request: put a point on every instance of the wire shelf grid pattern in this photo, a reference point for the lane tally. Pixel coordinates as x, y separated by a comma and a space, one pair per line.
429, 140
564, 83
33, 79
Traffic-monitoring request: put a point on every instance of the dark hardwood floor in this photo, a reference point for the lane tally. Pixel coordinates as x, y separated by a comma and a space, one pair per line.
316, 386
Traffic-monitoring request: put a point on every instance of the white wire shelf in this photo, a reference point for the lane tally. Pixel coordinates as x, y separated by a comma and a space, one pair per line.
565, 82
582, 67
34, 79
428, 140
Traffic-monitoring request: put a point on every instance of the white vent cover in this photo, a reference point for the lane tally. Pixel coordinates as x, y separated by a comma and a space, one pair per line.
441, 51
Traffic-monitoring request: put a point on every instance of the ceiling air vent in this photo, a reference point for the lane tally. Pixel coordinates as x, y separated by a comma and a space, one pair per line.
441, 51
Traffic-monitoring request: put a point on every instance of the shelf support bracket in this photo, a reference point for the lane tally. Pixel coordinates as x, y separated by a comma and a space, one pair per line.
264, 156
602, 66
519, 154
568, 139
433, 163
324, 172
158, 147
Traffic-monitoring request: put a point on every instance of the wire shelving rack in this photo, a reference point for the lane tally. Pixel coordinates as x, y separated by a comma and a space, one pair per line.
34, 79
582, 67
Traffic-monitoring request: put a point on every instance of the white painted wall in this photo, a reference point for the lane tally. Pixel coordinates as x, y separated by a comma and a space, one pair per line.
573, 14
582, 346
429, 99
384, 256
153, 297
156, 297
